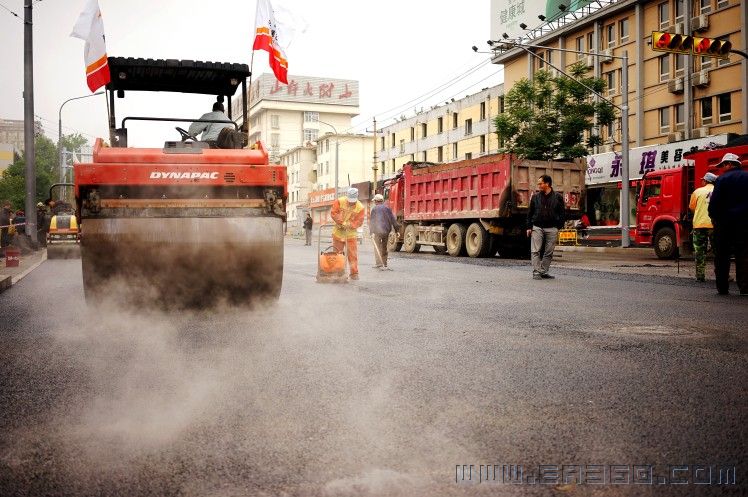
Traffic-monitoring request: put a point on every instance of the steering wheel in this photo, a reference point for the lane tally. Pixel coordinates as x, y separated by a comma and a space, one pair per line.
186, 135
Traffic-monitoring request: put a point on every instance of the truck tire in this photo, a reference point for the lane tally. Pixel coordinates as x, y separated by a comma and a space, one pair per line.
477, 241
665, 243
456, 240
410, 239
393, 244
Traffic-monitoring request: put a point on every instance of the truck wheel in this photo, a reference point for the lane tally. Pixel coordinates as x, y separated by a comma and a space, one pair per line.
393, 244
665, 243
409, 239
477, 241
456, 239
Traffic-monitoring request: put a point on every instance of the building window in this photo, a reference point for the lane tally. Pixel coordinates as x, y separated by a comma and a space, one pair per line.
424, 130
423, 156
311, 117
468, 126
440, 154
623, 30
393, 166
722, 3
402, 146
393, 140
275, 121
483, 111
274, 140
680, 65
705, 6
610, 77
468, 156
680, 10
580, 46
723, 62
327, 167
541, 60
412, 133
454, 150
665, 120
440, 125
610, 35
412, 157
454, 120
310, 135
664, 68
591, 42
549, 57
706, 63
382, 165
680, 117
501, 104
725, 107
664, 15
381, 140
483, 144
706, 111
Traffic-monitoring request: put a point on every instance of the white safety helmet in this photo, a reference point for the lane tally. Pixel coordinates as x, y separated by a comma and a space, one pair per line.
378, 198
352, 194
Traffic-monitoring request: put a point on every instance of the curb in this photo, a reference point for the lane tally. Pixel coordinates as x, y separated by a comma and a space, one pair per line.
9, 281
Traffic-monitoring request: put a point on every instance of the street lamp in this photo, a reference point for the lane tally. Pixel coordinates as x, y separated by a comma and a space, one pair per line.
337, 153
59, 127
624, 108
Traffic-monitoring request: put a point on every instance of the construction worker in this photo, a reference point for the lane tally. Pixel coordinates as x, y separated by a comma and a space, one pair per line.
348, 214
702, 223
381, 222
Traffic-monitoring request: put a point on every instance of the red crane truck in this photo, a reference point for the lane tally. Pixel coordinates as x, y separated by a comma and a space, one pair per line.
477, 206
663, 219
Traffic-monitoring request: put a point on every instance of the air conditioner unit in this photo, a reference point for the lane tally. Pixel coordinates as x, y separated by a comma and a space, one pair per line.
679, 28
702, 132
590, 61
675, 85
700, 23
700, 78
675, 137
608, 55
606, 148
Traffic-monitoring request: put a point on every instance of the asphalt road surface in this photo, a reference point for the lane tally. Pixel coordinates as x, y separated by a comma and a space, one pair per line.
392, 385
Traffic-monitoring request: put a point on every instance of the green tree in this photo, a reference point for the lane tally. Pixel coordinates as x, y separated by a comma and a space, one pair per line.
546, 117
13, 180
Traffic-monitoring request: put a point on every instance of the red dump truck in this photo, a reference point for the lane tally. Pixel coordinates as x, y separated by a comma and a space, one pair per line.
663, 219
477, 206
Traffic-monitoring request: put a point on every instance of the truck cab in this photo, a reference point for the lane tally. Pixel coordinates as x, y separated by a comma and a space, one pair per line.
663, 218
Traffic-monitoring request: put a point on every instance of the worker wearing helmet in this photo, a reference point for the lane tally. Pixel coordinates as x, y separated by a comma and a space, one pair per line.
348, 214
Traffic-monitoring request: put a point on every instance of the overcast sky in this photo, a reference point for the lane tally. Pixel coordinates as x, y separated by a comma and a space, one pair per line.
398, 50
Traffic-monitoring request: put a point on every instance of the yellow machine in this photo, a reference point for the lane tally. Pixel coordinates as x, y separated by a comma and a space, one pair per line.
63, 236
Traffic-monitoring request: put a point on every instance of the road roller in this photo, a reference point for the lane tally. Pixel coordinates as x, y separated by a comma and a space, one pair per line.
193, 224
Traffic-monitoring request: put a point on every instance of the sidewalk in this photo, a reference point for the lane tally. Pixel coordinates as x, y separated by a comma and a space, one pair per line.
9, 276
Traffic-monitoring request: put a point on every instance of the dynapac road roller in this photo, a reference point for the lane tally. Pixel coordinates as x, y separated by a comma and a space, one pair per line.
189, 224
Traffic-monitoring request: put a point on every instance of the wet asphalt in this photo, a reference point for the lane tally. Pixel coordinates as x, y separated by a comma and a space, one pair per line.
391, 385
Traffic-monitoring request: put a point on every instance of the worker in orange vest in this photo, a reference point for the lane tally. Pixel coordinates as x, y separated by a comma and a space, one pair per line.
348, 214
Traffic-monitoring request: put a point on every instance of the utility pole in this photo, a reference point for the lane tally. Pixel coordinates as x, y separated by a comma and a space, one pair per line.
28, 121
374, 166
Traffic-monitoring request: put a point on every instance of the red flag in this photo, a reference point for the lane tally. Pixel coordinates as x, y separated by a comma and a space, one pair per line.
268, 36
90, 27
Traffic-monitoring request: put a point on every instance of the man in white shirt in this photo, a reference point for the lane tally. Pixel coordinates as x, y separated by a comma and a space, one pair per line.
210, 131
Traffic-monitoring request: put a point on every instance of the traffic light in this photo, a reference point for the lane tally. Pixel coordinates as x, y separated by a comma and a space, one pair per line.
696, 45
711, 47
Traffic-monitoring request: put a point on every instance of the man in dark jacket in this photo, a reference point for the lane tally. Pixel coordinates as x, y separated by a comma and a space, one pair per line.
381, 222
728, 209
544, 219
308, 223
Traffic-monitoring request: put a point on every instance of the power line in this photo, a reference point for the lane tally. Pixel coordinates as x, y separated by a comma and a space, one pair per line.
11, 12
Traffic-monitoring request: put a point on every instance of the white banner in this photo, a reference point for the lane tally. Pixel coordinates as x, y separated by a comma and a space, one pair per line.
606, 168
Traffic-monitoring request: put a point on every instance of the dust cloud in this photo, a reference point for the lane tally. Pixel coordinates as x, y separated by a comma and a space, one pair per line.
295, 397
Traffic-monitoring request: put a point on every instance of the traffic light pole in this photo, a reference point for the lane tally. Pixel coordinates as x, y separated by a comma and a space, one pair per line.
624, 108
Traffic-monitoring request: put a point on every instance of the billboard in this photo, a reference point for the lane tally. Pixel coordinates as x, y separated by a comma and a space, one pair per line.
507, 15
606, 168
305, 89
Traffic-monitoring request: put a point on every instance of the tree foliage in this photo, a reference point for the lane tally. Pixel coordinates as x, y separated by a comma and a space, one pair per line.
13, 179
546, 117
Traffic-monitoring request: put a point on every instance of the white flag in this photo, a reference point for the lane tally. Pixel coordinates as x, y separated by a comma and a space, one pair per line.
90, 27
